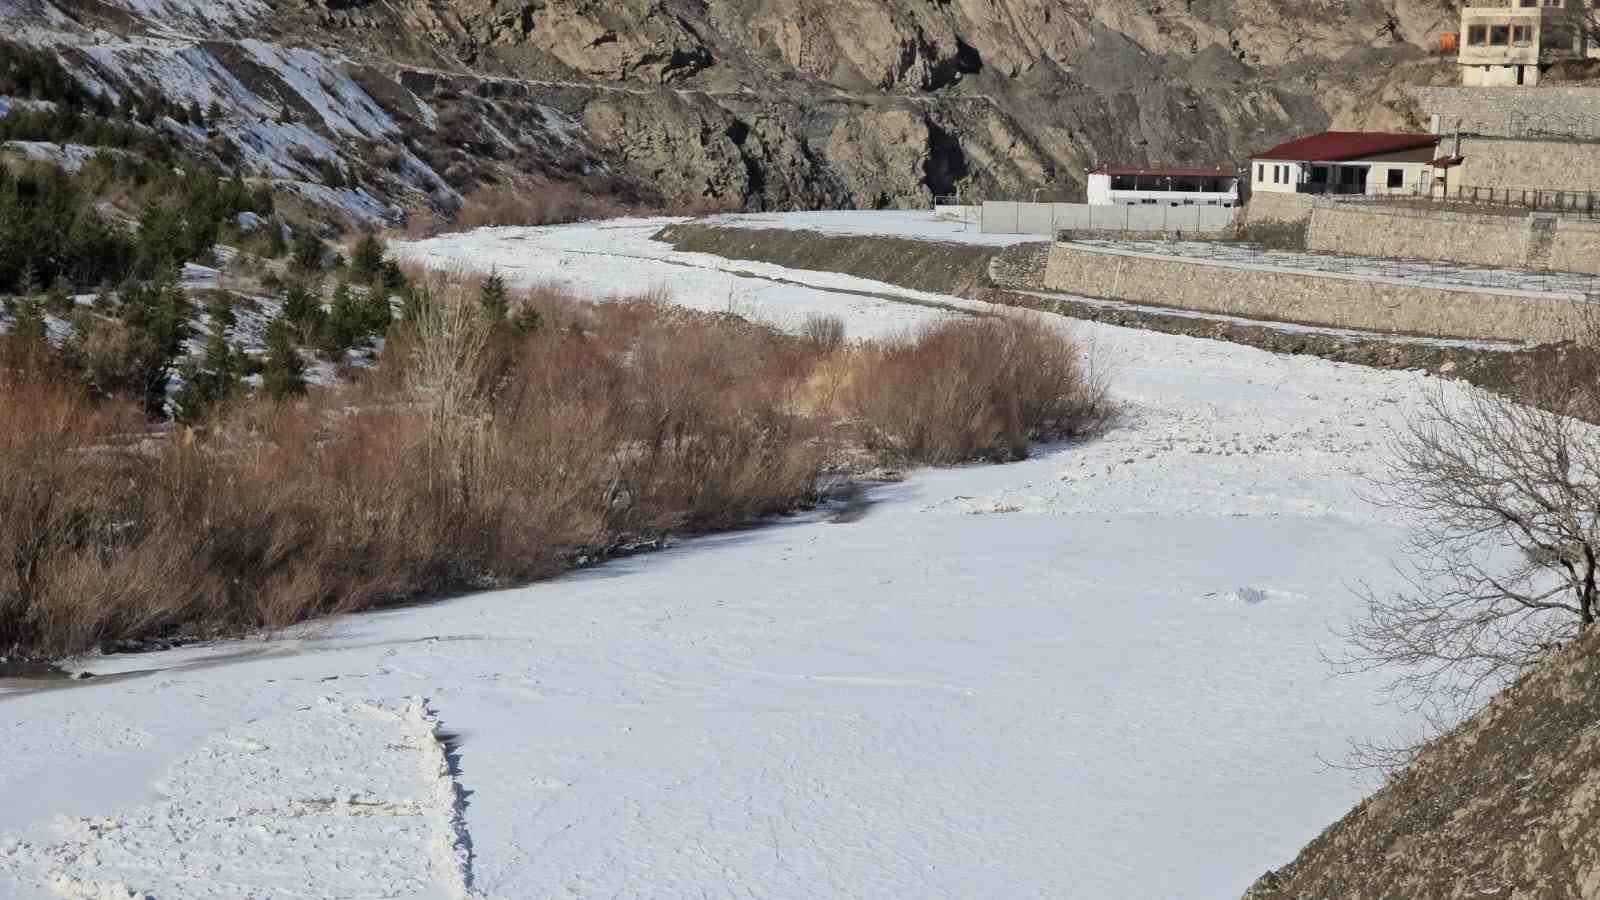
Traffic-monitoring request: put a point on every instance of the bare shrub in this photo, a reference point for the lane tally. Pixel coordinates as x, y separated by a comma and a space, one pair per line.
553, 204
48, 496
969, 389
826, 332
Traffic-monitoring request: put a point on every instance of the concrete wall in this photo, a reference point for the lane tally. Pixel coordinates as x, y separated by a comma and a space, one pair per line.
1004, 217
1366, 303
1504, 111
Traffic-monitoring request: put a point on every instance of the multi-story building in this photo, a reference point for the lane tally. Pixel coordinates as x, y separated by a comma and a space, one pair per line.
1511, 42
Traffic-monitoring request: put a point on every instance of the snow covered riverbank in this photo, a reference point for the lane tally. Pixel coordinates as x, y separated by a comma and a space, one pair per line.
1092, 674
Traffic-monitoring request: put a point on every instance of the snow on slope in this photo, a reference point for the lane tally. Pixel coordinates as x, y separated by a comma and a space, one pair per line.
68, 156
1092, 674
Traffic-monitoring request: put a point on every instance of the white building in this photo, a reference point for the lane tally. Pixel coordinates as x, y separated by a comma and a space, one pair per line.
1348, 162
1134, 186
1513, 42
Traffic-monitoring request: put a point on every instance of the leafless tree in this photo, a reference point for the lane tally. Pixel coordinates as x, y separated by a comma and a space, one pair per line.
1504, 554
1504, 558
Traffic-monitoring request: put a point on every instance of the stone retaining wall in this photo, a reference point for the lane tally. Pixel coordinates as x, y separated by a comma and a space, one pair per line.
1341, 301
1489, 110
1526, 164
1431, 232
933, 266
1255, 292
1266, 207
1425, 232
1023, 268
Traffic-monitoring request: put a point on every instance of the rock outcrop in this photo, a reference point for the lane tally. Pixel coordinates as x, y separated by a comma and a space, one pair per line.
1507, 806
757, 103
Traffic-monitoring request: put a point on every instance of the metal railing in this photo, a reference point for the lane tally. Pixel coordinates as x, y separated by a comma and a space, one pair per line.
1560, 202
1323, 187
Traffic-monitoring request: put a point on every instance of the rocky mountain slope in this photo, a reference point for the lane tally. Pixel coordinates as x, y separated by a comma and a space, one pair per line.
1506, 806
740, 103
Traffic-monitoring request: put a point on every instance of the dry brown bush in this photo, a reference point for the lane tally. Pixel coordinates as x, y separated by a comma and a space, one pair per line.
475, 455
554, 204
969, 389
826, 332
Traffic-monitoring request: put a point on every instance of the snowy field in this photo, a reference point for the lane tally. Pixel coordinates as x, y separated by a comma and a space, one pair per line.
1091, 675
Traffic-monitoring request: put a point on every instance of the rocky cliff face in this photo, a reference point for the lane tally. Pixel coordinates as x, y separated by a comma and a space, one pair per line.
751, 103
1506, 806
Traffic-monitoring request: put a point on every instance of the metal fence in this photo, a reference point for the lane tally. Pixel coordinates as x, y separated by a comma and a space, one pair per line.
1563, 202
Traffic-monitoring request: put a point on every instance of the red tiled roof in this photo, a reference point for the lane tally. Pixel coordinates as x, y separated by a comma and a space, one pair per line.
1337, 146
1165, 172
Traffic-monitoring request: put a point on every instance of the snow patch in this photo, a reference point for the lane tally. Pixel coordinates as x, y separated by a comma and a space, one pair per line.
372, 810
341, 103
356, 203
68, 156
7, 104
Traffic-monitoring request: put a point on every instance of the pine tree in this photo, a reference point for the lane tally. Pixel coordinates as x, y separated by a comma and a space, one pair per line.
492, 296
344, 328
308, 251
27, 280
394, 280
301, 309
221, 311
375, 312
211, 382
28, 337
366, 260
158, 316
527, 320
284, 375
58, 300
276, 245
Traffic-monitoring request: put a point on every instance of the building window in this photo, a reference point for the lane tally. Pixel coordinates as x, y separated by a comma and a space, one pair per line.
1397, 178
1499, 35
1521, 35
1261, 173
1478, 35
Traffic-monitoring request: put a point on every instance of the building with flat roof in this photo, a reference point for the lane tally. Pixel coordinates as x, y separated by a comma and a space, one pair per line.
1512, 42
1348, 162
1158, 186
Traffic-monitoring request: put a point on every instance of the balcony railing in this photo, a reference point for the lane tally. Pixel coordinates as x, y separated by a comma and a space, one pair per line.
1323, 187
